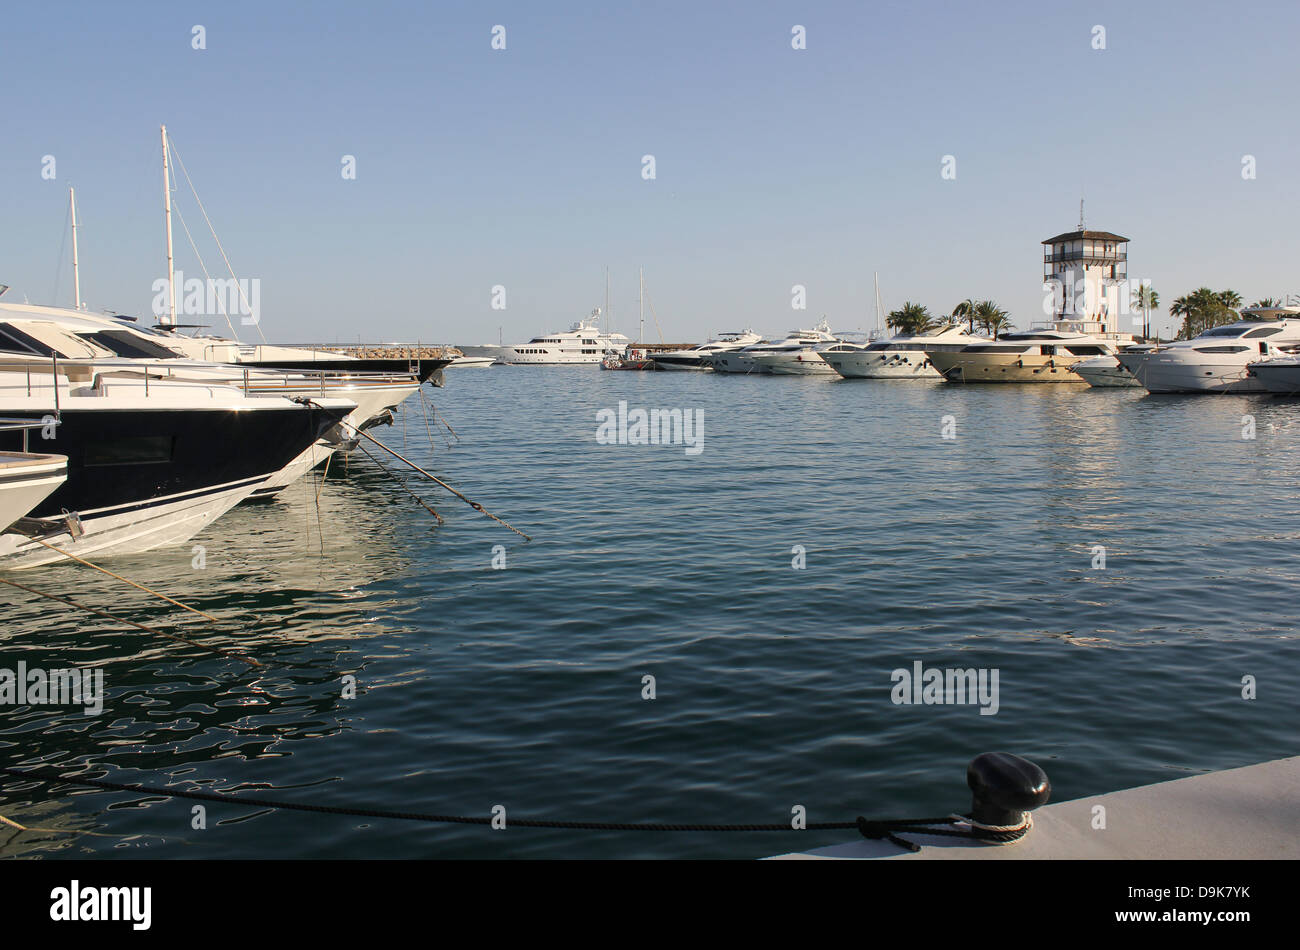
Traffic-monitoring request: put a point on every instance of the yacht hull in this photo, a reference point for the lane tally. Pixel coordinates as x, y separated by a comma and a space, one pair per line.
374, 404
140, 479
1161, 372
1106, 373
1005, 368
683, 363
1281, 380
735, 363
882, 365
800, 365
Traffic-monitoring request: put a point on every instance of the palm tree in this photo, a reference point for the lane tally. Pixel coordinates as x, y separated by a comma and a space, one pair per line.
1147, 300
1266, 303
911, 320
1204, 308
1230, 298
991, 318
965, 311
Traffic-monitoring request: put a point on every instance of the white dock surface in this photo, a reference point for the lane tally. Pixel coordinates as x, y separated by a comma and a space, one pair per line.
1250, 813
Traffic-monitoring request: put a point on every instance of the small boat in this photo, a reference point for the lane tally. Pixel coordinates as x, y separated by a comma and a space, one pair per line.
471, 362
632, 359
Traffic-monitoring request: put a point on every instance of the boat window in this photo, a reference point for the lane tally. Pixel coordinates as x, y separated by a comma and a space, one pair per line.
15, 341
1225, 331
1263, 331
131, 450
1221, 349
126, 344
60, 341
1085, 350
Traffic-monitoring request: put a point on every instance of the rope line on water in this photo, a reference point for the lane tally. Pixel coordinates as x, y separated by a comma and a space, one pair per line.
400, 484
434, 478
868, 829
126, 580
104, 613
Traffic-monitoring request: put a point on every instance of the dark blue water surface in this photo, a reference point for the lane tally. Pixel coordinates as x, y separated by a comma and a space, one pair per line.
523, 687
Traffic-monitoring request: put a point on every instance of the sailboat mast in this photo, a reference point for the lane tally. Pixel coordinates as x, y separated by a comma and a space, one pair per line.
879, 329
76, 274
640, 299
167, 213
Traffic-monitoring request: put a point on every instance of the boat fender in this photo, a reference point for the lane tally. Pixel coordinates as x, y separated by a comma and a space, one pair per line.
1005, 788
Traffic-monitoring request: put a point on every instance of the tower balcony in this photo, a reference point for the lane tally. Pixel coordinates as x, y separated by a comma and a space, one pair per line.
1086, 257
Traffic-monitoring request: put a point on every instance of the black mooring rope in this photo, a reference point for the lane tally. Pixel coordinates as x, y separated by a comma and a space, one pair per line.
868, 829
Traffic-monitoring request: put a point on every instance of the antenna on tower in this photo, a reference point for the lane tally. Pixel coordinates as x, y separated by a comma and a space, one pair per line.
1080, 214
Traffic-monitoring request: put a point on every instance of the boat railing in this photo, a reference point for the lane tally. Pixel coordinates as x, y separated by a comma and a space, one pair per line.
27, 425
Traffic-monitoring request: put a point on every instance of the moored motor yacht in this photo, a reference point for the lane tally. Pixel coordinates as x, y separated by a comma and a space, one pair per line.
1030, 356
744, 360
901, 357
1219, 359
149, 462
798, 360
1106, 372
471, 362
113, 351
701, 357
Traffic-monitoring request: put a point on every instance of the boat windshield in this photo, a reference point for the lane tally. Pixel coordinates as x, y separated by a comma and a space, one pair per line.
127, 344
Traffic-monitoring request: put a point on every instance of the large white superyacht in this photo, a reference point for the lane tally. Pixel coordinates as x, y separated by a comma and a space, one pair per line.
584, 342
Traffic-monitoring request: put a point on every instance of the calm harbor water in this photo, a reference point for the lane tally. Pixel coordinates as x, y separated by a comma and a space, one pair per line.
523, 686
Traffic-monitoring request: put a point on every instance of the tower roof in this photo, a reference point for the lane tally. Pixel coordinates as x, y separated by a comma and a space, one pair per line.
1087, 236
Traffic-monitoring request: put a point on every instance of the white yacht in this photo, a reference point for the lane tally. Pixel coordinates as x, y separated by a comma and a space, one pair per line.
151, 462
744, 360
584, 342
1106, 372
114, 351
797, 360
701, 357
1030, 356
1219, 359
900, 357
471, 362
492, 352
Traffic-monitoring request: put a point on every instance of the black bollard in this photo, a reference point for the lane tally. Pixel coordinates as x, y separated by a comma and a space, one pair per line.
1005, 788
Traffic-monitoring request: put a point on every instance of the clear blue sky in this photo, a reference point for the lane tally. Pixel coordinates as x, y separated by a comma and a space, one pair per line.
522, 167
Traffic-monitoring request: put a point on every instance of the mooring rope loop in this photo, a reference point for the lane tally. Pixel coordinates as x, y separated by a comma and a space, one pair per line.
869, 829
